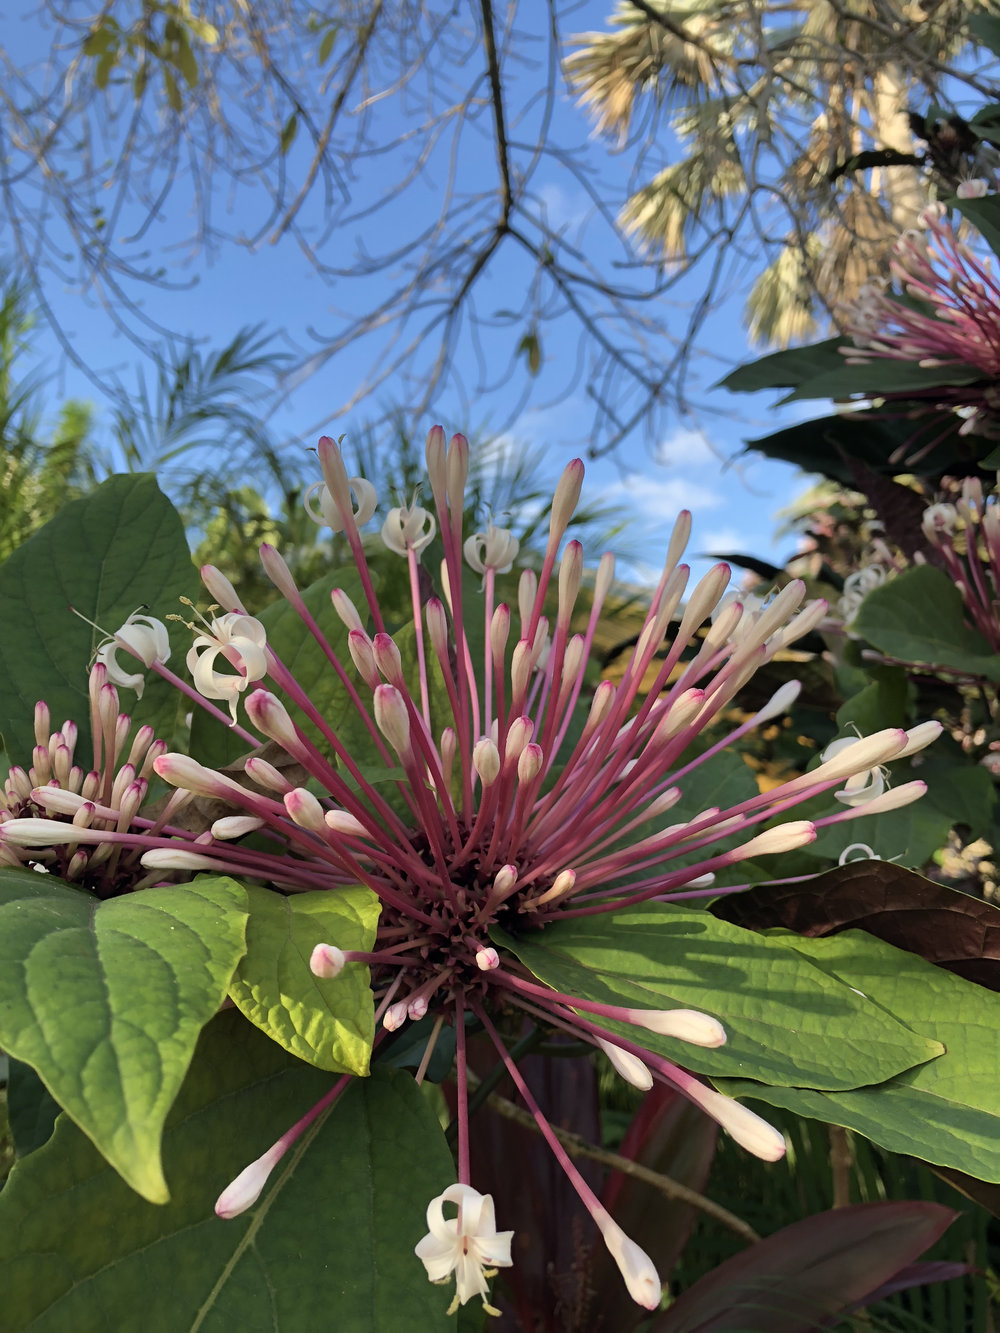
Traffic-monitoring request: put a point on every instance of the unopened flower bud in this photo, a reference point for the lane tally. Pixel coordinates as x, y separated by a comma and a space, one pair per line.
326, 961
629, 1066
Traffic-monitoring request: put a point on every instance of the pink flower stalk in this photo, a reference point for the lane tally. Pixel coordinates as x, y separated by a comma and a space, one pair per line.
956, 323
504, 816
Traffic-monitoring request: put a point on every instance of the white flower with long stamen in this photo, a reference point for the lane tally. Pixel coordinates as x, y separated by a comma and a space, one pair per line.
467, 1245
242, 642
146, 639
500, 791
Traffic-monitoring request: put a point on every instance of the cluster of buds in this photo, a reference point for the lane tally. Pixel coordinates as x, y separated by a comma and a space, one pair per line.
943, 311
966, 535
514, 801
84, 805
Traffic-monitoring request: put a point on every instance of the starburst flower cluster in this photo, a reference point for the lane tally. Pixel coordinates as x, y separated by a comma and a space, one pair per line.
519, 790
941, 312
966, 535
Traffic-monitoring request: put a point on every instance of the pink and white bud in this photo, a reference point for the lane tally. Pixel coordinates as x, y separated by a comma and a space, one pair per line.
436, 454
342, 822
57, 799
629, 1066
457, 469
780, 701
486, 761
919, 737
346, 610
854, 757
749, 1130
893, 799
326, 961
220, 590
487, 959
565, 499
267, 776
530, 763
392, 719
305, 810
395, 1016
518, 735
688, 1025
784, 838
246, 1189
269, 715
180, 770
363, 656
235, 826
388, 660
167, 858
561, 887
277, 570
705, 597
636, 1267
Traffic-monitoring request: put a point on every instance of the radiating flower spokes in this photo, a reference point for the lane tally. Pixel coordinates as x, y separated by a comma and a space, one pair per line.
145, 638
508, 812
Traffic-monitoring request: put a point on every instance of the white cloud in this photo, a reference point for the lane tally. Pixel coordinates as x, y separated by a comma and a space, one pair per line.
661, 497
564, 208
723, 539
685, 448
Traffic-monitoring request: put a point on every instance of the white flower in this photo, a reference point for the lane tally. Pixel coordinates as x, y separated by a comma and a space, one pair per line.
242, 641
365, 502
408, 529
496, 548
468, 1245
972, 189
144, 636
861, 787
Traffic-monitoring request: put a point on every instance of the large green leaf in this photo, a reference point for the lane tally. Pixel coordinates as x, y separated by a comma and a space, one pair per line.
919, 617
785, 370
329, 1244
329, 1023
984, 213
880, 376
787, 1021
114, 551
106, 999
214, 744
946, 1111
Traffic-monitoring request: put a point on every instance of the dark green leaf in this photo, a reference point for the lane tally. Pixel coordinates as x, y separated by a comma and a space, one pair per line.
106, 999
185, 61
880, 376
984, 214
136, 555
326, 45
946, 1111
329, 1245
31, 1108
785, 1022
919, 617
174, 99
781, 370
327, 1022
985, 29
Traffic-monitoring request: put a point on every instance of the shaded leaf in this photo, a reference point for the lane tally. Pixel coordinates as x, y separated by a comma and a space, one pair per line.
329, 1022
783, 370
984, 214
288, 132
918, 617
31, 1108
106, 999
137, 555
330, 1243
948, 928
807, 1271
785, 1022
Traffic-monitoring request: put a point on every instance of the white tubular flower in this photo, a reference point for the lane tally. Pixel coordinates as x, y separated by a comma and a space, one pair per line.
468, 1245
857, 586
496, 549
638, 1270
324, 509
144, 636
861, 787
242, 641
629, 1066
409, 529
972, 189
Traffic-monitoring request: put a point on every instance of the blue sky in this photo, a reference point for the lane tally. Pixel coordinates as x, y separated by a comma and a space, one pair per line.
686, 463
